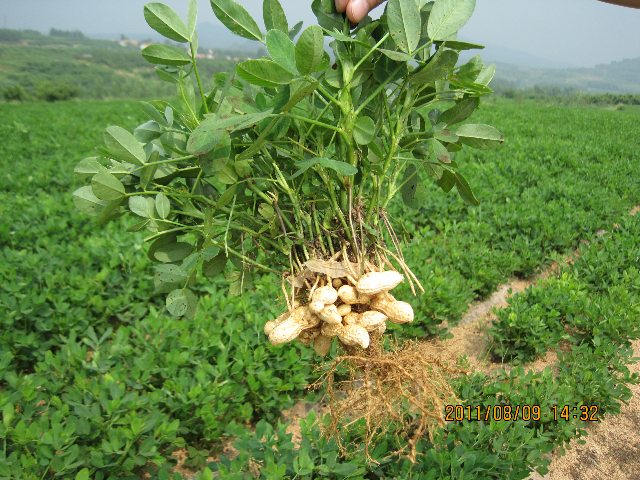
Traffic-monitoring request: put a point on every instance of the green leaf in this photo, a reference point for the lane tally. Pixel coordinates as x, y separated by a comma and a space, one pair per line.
483, 137
239, 281
163, 205
267, 211
88, 168
440, 151
364, 130
207, 135
465, 190
214, 161
460, 111
124, 145
405, 26
309, 50
459, 45
243, 168
486, 74
330, 21
107, 187
304, 165
282, 50
86, 201
166, 55
264, 73
274, 17
214, 266
142, 206
169, 74
109, 213
342, 168
295, 30
153, 113
192, 16
413, 190
384, 67
447, 181
299, 94
166, 22
445, 136
83, 474
171, 274
227, 175
182, 302
148, 172
236, 18
209, 253
449, 16
397, 56
173, 252
438, 68
226, 197
147, 131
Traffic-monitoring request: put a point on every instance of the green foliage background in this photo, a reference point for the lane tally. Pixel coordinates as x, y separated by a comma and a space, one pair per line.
89, 358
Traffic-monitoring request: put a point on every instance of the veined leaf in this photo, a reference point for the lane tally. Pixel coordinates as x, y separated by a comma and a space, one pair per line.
86, 201
182, 302
486, 74
405, 26
107, 187
465, 190
342, 168
364, 130
459, 112
295, 30
438, 68
274, 16
236, 18
397, 56
166, 55
483, 137
330, 21
309, 50
142, 206
299, 94
449, 16
264, 73
459, 45
166, 22
192, 17
282, 50
124, 145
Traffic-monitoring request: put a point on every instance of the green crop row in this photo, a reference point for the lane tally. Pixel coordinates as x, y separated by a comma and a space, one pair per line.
94, 374
595, 301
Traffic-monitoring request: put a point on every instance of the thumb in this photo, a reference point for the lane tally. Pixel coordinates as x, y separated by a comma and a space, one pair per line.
357, 9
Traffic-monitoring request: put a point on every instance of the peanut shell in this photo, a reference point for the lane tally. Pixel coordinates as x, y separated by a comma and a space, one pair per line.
288, 330
337, 283
332, 330
354, 335
352, 318
371, 320
269, 326
330, 314
344, 309
316, 306
398, 312
376, 282
322, 345
326, 295
349, 295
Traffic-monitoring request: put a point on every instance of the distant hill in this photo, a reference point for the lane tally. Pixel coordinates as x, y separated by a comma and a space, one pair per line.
615, 77
94, 68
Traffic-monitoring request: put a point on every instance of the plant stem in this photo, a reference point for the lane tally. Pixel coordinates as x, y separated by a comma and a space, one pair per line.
195, 69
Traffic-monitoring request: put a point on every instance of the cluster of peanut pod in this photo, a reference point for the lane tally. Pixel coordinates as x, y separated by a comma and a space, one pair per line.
350, 311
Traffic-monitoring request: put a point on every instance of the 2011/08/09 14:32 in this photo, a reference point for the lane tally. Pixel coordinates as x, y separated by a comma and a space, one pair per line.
457, 413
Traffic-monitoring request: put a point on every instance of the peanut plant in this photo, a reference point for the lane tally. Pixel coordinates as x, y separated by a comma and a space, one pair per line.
294, 158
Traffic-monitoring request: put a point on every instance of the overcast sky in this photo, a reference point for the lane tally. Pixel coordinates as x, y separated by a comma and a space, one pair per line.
569, 32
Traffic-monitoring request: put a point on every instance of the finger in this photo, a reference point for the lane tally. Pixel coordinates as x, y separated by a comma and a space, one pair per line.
358, 9
341, 5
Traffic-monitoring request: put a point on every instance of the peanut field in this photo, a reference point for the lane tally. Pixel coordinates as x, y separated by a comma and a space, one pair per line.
97, 380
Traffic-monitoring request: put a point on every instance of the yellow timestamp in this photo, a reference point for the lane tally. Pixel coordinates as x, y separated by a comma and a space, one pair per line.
457, 413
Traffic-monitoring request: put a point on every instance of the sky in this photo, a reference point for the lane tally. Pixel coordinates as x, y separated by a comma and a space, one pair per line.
571, 33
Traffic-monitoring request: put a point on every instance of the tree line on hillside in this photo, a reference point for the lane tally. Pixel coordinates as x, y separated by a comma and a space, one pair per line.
567, 95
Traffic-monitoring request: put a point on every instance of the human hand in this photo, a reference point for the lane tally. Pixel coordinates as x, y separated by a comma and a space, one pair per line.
357, 9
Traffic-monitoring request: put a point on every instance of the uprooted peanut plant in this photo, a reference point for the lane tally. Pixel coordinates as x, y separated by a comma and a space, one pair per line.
289, 163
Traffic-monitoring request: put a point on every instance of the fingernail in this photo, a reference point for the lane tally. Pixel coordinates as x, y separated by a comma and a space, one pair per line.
341, 5
358, 9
